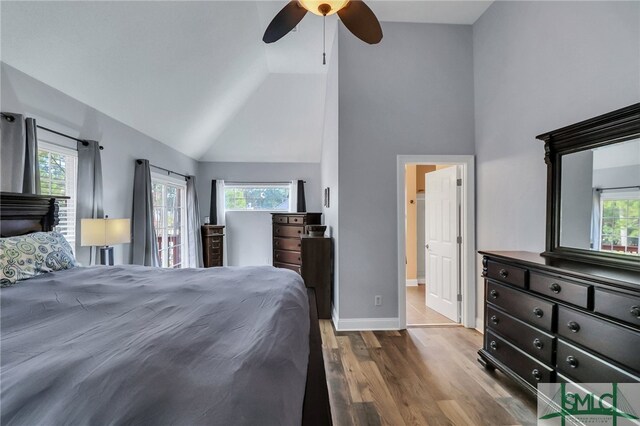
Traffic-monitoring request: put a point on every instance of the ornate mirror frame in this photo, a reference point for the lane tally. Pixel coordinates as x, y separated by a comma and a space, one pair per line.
614, 127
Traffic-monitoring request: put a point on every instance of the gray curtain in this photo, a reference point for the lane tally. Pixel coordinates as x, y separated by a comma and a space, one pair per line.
19, 153
194, 239
144, 243
89, 194
596, 231
301, 202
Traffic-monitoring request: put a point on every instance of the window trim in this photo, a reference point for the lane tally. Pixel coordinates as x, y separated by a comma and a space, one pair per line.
255, 185
617, 195
170, 180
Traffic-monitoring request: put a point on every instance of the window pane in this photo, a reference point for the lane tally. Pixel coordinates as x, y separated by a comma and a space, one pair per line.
268, 197
168, 214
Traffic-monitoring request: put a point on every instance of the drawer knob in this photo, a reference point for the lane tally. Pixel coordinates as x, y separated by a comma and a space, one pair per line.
538, 312
493, 345
572, 361
495, 319
299, 231
503, 273
635, 311
494, 293
555, 287
537, 343
536, 374
573, 326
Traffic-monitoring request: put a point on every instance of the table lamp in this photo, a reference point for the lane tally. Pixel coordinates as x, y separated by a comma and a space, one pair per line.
104, 233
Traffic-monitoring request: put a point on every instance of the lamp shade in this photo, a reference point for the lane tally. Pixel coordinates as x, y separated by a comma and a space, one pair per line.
105, 232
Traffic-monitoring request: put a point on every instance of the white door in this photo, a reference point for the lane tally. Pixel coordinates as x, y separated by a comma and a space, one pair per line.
441, 229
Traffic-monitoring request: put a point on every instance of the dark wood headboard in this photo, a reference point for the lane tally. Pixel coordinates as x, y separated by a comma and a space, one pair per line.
24, 213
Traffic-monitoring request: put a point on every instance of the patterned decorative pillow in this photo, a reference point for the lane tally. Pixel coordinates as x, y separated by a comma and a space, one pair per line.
27, 256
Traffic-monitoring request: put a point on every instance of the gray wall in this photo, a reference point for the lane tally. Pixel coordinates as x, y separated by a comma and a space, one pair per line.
411, 94
122, 144
249, 233
329, 162
539, 66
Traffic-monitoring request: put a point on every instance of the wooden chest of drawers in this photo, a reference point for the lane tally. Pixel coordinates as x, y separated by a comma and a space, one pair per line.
550, 320
311, 257
212, 245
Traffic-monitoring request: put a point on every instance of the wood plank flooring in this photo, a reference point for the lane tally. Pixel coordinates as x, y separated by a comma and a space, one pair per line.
421, 376
417, 311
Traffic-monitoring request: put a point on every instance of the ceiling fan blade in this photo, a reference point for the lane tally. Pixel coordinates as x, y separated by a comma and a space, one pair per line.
361, 21
284, 21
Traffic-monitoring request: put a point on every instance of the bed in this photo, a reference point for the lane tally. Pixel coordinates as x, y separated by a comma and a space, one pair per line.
137, 345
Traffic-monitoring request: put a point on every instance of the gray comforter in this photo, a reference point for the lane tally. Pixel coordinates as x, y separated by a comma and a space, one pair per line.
137, 345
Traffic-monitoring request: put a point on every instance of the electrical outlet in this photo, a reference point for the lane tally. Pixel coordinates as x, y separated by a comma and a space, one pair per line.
378, 301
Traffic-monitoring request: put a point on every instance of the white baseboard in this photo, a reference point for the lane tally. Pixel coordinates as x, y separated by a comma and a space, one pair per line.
422, 280
412, 283
365, 324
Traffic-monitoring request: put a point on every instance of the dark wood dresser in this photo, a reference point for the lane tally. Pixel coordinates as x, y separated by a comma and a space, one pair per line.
212, 245
550, 320
311, 257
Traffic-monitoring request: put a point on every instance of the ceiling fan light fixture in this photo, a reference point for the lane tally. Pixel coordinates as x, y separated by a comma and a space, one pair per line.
314, 6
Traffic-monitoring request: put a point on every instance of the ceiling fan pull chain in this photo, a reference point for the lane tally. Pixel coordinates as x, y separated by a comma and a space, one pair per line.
324, 40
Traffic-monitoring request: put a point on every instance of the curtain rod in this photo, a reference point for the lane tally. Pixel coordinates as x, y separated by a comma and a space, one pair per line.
230, 182
166, 170
83, 141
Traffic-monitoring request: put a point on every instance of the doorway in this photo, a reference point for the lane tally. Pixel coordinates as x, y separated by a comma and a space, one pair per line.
436, 243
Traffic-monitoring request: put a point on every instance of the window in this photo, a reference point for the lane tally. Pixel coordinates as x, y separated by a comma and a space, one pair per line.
58, 169
169, 216
257, 197
620, 221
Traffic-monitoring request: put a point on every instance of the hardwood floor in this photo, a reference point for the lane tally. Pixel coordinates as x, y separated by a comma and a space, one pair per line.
421, 376
417, 311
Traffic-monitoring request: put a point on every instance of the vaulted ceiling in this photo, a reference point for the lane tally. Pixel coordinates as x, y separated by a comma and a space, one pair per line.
195, 75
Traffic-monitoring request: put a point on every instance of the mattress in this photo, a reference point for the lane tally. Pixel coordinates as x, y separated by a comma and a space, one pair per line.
138, 345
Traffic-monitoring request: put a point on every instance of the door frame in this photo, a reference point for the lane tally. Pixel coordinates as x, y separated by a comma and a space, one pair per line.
468, 260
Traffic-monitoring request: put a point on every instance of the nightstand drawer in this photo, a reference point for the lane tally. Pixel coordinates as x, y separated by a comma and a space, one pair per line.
567, 291
522, 364
587, 368
287, 244
507, 273
621, 306
295, 268
535, 342
292, 257
287, 231
615, 342
521, 305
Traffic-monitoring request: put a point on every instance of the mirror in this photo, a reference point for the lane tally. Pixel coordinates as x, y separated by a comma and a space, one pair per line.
593, 190
600, 199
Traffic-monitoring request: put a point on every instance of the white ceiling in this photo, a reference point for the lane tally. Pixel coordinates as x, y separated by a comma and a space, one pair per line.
195, 75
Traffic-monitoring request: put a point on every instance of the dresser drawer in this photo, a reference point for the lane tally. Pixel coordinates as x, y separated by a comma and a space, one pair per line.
214, 242
208, 231
584, 367
292, 257
522, 305
621, 306
507, 273
287, 231
610, 340
295, 268
567, 291
280, 219
535, 342
286, 244
522, 364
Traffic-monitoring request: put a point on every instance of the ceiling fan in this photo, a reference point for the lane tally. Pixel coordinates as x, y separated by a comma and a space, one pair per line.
354, 14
